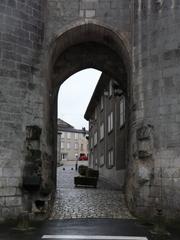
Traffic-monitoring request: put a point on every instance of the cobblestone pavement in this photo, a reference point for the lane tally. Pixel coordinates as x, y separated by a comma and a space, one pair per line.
105, 201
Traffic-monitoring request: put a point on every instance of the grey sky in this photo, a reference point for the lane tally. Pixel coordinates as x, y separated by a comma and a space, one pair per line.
74, 96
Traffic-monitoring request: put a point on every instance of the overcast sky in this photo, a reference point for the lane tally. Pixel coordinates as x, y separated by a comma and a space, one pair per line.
74, 96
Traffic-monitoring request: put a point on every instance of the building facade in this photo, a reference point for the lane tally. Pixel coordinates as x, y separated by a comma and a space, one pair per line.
70, 142
107, 127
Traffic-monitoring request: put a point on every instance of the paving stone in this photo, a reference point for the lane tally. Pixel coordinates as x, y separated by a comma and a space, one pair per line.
105, 201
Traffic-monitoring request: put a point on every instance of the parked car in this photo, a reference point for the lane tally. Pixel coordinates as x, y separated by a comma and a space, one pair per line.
83, 157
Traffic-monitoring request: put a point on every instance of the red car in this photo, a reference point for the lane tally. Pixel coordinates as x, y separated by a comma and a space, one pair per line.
83, 157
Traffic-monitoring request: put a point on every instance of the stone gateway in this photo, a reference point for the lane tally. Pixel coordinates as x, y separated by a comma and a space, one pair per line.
42, 43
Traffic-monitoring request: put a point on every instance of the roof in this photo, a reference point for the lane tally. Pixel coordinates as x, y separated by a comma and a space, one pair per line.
63, 125
66, 127
100, 87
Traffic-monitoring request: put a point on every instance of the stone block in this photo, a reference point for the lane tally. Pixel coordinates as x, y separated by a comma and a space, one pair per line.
2, 201
52, 3
11, 3
11, 212
81, 13
11, 172
13, 201
104, 4
89, 4
13, 182
7, 191
114, 4
68, 8
3, 182
90, 13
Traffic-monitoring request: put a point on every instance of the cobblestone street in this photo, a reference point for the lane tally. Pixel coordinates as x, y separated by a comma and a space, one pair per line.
105, 201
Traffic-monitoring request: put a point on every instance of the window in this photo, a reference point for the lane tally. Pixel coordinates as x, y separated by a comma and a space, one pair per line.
95, 138
68, 145
64, 156
110, 158
76, 136
101, 160
69, 135
62, 145
62, 135
102, 131
110, 89
76, 146
122, 112
95, 114
110, 122
102, 103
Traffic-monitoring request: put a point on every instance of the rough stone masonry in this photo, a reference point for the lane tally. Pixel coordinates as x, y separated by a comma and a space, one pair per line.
42, 42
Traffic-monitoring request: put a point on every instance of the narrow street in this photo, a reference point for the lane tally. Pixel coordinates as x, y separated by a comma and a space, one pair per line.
105, 201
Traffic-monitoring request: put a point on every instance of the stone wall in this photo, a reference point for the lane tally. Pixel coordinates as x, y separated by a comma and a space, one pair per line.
155, 154
63, 14
28, 30
33, 34
21, 36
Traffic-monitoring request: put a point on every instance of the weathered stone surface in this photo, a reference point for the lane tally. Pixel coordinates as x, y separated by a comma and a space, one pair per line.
33, 133
37, 35
21, 32
144, 175
13, 201
90, 13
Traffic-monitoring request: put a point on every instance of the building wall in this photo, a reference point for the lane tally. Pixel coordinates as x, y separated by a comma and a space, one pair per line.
113, 140
21, 94
69, 137
154, 174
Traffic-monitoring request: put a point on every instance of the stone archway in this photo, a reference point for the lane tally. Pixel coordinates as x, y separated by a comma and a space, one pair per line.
80, 47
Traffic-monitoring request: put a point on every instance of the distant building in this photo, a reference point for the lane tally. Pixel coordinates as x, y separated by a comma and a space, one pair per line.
70, 141
107, 130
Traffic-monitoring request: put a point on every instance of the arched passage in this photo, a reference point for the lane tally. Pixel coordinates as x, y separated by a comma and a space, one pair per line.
84, 46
